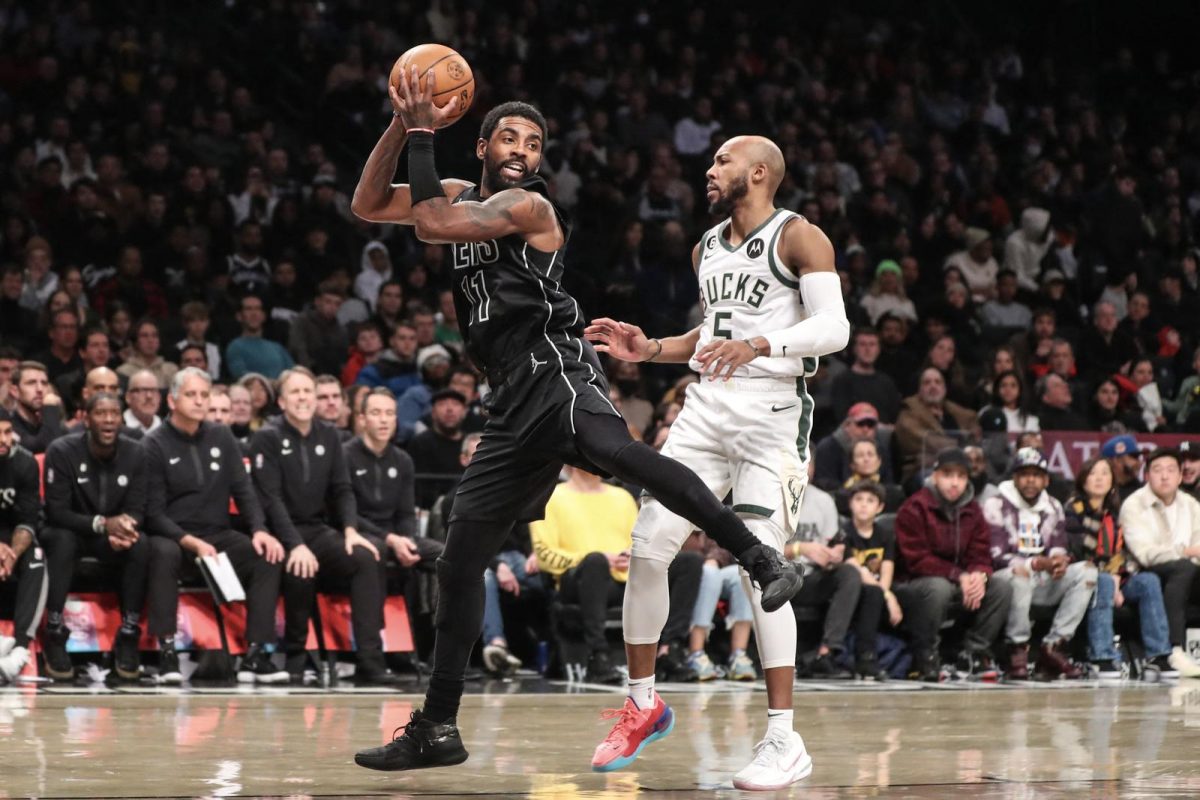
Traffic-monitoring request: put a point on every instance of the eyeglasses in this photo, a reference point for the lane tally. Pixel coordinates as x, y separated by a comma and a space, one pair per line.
866, 423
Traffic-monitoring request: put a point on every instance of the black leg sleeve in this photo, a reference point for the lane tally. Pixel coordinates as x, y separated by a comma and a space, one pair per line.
61, 552
470, 547
606, 442
162, 585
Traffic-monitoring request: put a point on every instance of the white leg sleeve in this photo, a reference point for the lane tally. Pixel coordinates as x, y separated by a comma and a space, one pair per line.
657, 536
776, 631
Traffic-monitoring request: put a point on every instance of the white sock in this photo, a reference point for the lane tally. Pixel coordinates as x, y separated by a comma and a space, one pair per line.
641, 692
779, 721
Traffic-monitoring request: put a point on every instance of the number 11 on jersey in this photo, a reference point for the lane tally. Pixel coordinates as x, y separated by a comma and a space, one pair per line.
475, 288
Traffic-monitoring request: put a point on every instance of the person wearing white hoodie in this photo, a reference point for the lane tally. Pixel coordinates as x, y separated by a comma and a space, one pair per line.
375, 269
1029, 551
1025, 247
1162, 532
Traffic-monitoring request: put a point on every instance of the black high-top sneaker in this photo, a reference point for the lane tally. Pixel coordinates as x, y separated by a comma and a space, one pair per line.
168, 664
54, 649
774, 574
126, 658
257, 667
423, 744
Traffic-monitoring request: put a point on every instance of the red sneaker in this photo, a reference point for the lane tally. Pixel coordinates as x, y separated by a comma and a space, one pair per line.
633, 730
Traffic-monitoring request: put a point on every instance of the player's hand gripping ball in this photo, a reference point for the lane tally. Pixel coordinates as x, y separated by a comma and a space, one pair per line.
431, 86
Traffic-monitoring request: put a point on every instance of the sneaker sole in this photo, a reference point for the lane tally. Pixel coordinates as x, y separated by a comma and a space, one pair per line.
782, 591
802, 771
170, 679
454, 762
625, 761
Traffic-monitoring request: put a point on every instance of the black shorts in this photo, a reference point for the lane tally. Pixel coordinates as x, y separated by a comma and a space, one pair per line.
530, 431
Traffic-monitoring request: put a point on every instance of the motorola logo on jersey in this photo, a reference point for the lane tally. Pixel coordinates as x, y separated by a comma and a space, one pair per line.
755, 248
473, 254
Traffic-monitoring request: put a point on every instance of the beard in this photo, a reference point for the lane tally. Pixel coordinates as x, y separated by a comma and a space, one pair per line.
724, 204
495, 180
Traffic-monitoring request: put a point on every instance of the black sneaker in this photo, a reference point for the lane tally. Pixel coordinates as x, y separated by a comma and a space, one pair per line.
1106, 670
423, 744
774, 574
371, 670
600, 669
826, 668
925, 668
54, 649
168, 667
126, 657
866, 666
1162, 666
257, 667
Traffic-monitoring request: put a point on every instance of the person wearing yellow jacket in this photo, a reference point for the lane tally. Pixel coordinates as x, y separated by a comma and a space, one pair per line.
584, 543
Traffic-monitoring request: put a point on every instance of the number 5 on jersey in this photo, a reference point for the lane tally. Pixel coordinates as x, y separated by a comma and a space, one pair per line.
475, 288
720, 329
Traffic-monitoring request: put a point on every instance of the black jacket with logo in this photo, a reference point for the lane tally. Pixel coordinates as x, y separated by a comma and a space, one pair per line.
79, 486
20, 494
189, 480
383, 488
302, 480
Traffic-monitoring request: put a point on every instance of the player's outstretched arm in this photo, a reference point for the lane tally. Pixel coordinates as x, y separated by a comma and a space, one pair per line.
376, 198
629, 343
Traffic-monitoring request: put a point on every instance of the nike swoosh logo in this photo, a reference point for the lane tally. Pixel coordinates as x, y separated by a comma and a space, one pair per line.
782, 408
174, 460
360, 472
285, 452
81, 480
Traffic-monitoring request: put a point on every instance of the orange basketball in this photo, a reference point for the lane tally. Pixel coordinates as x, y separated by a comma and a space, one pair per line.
452, 75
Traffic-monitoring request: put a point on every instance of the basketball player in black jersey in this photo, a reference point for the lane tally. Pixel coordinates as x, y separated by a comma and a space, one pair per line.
549, 402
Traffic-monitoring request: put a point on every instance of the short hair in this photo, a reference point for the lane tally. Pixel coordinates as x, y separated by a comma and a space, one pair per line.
28, 366
194, 311
1006, 273
1045, 311
420, 310
185, 373
864, 330
251, 296
330, 287
366, 325
200, 348
470, 439
143, 322
5, 415
66, 310
376, 391
219, 390
87, 333
101, 397
13, 354
463, 369
513, 108
326, 379
870, 487
292, 372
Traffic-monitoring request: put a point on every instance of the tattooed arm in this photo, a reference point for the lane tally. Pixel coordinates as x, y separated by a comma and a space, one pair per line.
503, 214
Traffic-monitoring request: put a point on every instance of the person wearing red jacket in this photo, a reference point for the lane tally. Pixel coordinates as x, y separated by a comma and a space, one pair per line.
946, 565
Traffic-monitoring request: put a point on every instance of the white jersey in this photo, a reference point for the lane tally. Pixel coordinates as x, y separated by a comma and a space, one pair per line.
746, 292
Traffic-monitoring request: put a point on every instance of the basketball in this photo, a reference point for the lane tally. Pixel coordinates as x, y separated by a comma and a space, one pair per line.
452, 75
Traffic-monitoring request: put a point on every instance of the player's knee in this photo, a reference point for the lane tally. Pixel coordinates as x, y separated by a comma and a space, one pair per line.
659, 533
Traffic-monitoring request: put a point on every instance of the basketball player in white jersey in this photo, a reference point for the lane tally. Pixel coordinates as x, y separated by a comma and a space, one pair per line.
772, 304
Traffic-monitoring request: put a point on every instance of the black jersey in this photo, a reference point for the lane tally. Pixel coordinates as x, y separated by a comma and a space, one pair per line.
508, 293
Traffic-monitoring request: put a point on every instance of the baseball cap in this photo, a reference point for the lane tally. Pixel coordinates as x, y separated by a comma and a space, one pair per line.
1123, 445
1028, 457
861, 411
951, 457
992, 420
1189, 451
447, 394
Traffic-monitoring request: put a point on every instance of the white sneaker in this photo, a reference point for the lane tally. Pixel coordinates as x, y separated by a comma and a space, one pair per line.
12, 663
7, 643
1183, 662
779, 761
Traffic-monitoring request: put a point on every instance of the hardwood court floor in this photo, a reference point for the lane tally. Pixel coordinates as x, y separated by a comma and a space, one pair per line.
532, 739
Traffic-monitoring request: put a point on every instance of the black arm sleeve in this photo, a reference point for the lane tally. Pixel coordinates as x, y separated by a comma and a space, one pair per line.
423, 181
59, 508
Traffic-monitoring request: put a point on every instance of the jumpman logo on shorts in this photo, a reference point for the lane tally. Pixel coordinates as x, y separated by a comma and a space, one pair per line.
533, 360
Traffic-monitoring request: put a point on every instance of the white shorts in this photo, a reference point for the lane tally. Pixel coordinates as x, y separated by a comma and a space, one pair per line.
750, 435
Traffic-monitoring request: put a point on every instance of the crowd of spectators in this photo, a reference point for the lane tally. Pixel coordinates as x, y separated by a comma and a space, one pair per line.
1015, 231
